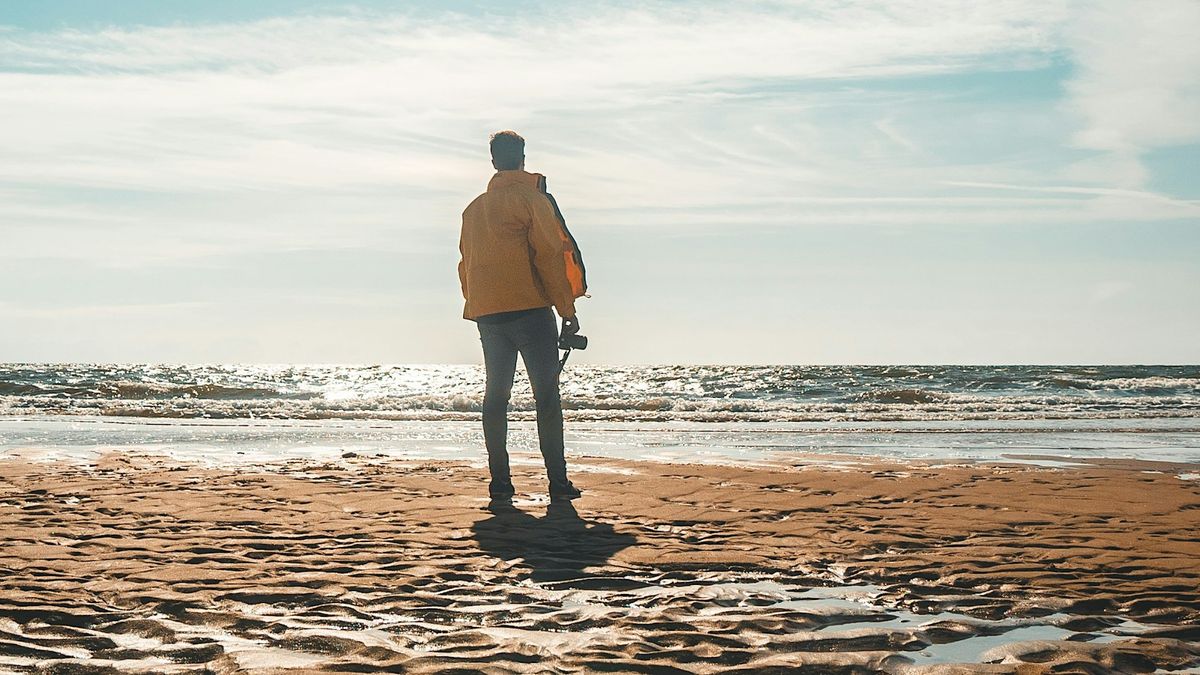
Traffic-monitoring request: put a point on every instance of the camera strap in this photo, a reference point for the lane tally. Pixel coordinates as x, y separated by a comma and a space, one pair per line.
563, 362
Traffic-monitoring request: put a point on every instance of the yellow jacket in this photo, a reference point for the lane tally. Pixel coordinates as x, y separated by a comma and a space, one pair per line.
516, 250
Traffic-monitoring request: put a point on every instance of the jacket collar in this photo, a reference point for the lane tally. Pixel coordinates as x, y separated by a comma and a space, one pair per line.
504, 179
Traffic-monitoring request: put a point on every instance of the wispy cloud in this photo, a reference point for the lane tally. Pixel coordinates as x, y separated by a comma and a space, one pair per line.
1137, 85
325, 102
678, 43
887, 127
1082, 190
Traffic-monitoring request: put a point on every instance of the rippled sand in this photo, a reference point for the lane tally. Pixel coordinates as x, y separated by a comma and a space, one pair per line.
142, 565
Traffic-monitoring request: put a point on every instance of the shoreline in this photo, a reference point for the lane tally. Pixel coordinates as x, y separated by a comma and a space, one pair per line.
238, 442
872, 567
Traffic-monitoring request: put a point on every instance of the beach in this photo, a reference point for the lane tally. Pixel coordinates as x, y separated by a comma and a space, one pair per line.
867, 329
132, 562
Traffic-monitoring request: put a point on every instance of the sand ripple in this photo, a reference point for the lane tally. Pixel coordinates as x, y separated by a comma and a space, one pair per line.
142, 566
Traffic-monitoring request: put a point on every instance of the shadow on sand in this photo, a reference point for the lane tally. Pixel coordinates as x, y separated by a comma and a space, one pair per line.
556, 547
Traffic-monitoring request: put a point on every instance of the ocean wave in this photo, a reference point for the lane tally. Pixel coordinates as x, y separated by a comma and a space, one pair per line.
905, 396
159, 390
888, 405
144, 390
1151, 384
1120, 384
20, 389
694, 393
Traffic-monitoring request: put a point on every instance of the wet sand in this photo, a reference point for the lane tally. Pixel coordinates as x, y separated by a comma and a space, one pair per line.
140, 564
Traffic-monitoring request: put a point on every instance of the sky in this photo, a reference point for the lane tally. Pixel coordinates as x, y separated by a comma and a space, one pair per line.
918, 181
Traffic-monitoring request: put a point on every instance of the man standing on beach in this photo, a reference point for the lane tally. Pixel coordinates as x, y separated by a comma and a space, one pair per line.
518, 260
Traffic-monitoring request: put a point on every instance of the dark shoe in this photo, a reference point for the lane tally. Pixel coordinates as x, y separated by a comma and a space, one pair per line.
565, 491
501, 505
501, 490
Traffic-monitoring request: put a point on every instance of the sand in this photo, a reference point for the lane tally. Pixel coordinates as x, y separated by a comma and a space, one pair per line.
145, 565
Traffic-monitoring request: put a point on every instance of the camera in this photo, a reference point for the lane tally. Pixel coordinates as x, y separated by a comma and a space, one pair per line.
572, 341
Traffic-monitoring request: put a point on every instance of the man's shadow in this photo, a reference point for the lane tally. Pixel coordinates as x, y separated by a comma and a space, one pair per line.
556, 547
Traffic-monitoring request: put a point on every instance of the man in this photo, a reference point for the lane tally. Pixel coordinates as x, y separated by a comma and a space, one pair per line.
518, 260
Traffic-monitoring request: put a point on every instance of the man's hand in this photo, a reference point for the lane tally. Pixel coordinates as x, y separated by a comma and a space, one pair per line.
570, 326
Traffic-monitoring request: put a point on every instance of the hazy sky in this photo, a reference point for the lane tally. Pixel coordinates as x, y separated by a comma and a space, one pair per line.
798, 182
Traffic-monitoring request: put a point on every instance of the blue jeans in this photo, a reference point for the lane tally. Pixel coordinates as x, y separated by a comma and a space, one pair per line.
535, 336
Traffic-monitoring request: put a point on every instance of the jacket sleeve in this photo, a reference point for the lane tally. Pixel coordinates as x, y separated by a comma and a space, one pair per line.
546, 242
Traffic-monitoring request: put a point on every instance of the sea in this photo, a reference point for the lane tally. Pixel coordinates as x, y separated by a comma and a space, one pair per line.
222, 413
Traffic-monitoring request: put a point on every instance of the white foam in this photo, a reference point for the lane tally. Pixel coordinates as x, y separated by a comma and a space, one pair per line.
242, 442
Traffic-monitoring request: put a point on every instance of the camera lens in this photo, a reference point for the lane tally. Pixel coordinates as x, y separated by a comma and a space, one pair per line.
572, 342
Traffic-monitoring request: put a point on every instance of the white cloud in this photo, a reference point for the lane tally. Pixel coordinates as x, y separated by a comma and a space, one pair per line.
321, 102
316, 131
594, 46
1137, 85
